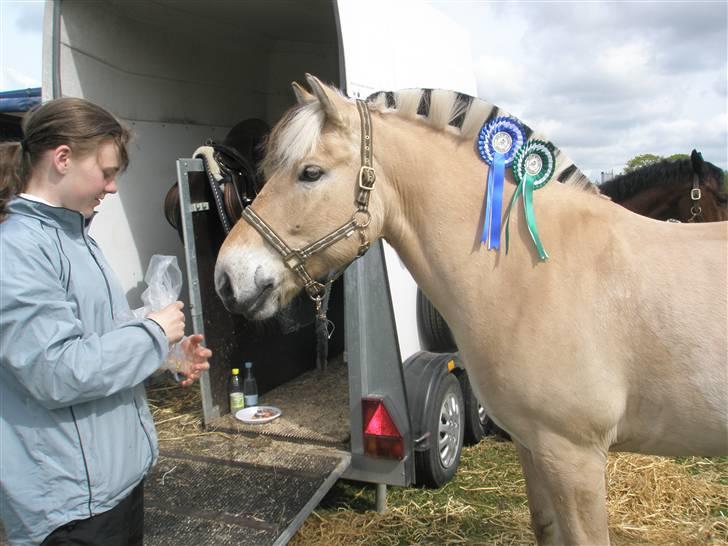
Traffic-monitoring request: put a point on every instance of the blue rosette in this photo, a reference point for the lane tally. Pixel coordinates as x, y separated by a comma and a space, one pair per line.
533, 168
498, 142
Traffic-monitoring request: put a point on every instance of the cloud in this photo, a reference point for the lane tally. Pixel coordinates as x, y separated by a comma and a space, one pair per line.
606, 80
30, 17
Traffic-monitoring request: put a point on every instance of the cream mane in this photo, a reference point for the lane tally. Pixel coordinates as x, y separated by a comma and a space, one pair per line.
298, 133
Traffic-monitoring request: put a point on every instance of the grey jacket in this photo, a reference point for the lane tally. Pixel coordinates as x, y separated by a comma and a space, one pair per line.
76, 434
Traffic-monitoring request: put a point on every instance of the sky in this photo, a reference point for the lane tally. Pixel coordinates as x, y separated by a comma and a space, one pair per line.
605, 81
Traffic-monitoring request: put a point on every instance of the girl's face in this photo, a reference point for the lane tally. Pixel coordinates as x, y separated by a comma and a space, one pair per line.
89, 178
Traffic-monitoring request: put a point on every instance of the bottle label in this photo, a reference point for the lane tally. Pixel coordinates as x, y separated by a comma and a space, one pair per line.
237, 401
251, 400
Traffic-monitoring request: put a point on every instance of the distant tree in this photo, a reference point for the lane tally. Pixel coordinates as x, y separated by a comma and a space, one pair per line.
639, 161
675, 157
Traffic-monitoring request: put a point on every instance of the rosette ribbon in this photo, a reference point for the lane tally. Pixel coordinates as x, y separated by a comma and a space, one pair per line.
498, 142
533, 167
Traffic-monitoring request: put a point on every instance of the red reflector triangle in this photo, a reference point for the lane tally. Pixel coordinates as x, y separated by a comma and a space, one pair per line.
381, 424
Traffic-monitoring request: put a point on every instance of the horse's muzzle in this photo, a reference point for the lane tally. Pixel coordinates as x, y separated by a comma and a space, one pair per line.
252, 302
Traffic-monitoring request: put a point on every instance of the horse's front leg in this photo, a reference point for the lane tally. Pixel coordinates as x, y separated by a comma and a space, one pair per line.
543, 516
574, 479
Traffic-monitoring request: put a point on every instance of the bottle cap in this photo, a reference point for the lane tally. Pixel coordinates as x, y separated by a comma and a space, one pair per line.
236, 371
248, 364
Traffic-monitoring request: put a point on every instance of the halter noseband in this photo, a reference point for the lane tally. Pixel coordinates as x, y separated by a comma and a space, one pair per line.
295, 259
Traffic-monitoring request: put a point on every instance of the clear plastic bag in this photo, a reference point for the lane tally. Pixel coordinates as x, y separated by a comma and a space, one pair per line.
164, 284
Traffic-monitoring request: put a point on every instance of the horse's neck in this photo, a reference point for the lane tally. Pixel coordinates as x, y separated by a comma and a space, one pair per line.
435, 213
656, 202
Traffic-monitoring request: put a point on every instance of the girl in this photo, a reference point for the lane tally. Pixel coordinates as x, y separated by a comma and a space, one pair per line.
76, 434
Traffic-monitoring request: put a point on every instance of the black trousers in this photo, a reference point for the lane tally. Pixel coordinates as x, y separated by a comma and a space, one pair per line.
123, 525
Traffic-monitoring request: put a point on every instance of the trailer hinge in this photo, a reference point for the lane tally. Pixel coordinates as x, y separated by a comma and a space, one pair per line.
199, 207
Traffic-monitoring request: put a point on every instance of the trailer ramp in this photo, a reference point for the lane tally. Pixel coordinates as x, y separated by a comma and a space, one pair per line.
231, 498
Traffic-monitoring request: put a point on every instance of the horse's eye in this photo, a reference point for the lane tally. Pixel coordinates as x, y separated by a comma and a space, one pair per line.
311, 173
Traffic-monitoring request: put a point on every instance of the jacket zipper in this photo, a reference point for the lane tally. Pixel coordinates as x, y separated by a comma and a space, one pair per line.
101, 269
149, 440
85, 462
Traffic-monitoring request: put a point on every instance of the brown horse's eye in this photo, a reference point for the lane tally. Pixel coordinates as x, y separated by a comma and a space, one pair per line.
310, 173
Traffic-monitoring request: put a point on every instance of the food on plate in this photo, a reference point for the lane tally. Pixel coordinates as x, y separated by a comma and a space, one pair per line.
263, 413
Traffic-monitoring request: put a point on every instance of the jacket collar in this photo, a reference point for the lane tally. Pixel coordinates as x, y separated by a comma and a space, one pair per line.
59, 217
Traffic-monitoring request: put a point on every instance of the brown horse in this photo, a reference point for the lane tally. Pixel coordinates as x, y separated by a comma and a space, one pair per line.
686, 190
617, 342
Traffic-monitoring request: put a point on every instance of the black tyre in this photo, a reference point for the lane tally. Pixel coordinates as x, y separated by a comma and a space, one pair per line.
434, 331
477, 423
445, 424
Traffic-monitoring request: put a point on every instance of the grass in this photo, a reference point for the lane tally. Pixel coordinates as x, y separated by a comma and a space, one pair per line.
652, 500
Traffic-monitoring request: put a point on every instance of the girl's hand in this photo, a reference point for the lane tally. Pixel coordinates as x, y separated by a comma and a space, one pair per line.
195, 359
172, 321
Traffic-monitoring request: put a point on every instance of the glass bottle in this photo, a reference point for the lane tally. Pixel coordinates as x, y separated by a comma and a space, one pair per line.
250, 386
235, 390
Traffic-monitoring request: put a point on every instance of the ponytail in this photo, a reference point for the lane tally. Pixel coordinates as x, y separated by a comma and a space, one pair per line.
14, 166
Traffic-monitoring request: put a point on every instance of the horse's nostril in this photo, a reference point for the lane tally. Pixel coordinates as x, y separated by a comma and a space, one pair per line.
223, 286
263, 281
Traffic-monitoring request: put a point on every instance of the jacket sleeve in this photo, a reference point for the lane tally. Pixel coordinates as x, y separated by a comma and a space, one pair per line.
44, 344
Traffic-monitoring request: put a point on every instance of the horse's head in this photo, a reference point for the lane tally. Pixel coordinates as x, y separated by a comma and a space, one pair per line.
710, 203
313, 167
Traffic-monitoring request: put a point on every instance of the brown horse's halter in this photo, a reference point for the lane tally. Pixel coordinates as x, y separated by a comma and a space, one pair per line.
695, 194
295, 259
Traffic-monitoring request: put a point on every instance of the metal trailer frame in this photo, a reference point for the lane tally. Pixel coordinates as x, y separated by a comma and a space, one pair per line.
374, 362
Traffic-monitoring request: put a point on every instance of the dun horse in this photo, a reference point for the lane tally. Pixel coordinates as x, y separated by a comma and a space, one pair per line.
616, 342
686, 190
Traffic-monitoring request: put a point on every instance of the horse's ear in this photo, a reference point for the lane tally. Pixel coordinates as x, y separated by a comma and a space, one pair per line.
696, 158
328, 98
302, 96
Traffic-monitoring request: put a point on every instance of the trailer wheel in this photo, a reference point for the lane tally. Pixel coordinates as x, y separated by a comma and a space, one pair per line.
434, 331
446, 419
477, 423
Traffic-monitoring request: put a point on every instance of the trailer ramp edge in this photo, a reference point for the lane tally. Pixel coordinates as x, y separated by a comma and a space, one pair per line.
194, 500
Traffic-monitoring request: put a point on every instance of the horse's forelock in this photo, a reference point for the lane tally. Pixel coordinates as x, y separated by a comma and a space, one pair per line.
294, 137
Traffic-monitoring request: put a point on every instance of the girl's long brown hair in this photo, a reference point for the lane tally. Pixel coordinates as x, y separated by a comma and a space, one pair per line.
77, 123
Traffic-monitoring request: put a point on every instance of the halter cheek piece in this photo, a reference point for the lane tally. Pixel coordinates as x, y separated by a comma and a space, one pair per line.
295, 259
696, 210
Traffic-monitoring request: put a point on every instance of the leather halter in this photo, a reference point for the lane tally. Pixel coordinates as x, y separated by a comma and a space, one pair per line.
295, 258
695, 194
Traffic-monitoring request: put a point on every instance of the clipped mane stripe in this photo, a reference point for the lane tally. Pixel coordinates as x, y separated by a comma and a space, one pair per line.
462, 105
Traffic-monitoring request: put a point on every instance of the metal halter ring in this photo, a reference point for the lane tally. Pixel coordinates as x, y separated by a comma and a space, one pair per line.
367, 218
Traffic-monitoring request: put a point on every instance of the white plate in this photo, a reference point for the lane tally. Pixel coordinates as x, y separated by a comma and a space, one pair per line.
252, 417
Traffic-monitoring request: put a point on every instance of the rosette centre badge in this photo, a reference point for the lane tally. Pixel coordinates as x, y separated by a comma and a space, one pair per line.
533, 167
498, 142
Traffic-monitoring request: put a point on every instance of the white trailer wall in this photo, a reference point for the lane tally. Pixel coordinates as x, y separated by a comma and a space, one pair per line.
178, 72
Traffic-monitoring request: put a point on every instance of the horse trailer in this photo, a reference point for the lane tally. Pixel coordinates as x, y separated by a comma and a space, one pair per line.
181, 73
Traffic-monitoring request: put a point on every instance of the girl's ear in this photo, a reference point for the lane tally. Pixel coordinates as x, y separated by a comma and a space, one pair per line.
61, 158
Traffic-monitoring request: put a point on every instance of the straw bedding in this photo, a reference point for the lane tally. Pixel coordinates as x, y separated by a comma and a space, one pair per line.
651, 500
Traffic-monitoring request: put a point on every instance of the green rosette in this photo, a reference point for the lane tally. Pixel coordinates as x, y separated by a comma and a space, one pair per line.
533, 167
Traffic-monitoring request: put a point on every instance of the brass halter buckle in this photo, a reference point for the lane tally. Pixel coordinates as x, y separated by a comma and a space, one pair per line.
367, 177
